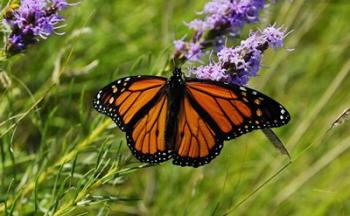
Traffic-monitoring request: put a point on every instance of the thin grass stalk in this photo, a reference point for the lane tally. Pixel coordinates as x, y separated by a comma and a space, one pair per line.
307, 175
28, 188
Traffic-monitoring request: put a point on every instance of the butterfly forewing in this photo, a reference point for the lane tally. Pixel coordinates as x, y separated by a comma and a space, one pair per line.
234, 110
127, 99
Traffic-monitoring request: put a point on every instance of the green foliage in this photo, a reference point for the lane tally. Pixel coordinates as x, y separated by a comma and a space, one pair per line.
60, 157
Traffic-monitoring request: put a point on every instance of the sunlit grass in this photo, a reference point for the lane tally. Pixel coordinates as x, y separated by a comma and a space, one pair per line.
59, 156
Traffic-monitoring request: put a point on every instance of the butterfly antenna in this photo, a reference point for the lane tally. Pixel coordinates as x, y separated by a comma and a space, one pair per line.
174, 63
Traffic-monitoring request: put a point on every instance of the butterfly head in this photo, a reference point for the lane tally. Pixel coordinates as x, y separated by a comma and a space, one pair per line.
177, 72
176, 81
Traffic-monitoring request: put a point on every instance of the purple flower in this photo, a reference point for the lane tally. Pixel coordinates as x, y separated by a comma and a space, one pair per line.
215, 21
236, 65
197, 25
18, 40
212, 71
192, 51
60, 4
232, 14
222, 17
31, 21
250, 10
254, 40
274, 36
180, 46
223, 7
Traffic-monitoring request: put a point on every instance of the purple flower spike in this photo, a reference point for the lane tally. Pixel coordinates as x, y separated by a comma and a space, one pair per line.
223, 7
212, 71
192, 51
197, 25
274, 36
215, 21
236, 65
180, 46
232, 14
222, 18
60, 4
31, 21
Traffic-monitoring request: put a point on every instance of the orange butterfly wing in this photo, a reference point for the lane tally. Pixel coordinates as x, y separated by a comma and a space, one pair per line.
126, 99
196, 142
234, 110
146, 138
212, 112
138, 105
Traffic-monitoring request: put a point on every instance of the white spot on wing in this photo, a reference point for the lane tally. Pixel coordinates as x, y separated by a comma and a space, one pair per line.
242, 88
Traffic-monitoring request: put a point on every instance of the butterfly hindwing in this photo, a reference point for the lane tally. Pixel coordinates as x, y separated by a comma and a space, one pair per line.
146, 138
234, 110
196, 141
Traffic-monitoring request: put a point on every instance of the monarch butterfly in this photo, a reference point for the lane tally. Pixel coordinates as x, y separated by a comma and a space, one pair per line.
185, 119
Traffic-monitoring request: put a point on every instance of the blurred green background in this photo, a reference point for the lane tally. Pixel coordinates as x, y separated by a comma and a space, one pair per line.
60, 157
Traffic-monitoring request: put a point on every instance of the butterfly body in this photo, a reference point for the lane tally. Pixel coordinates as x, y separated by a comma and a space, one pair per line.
175, 91
182, 118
